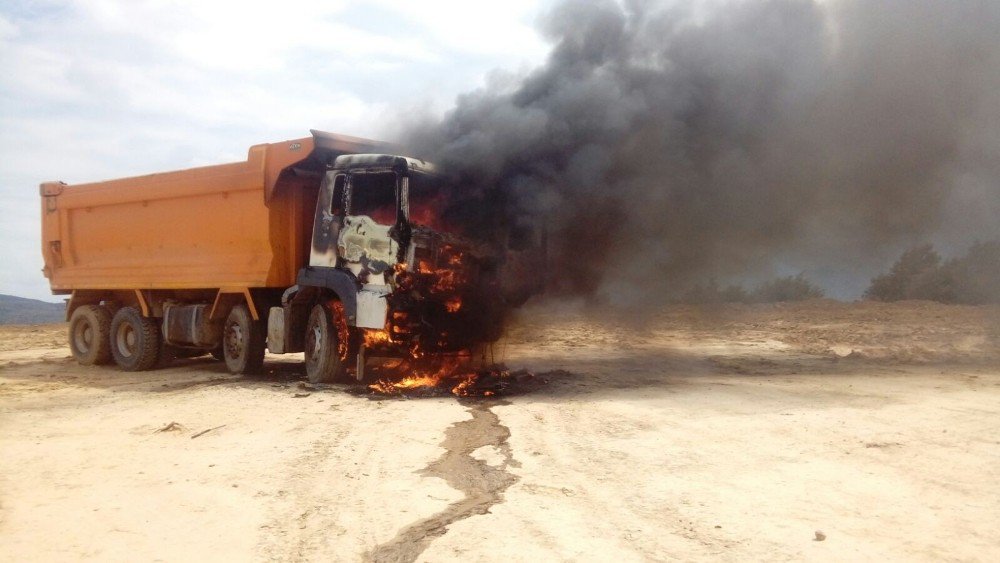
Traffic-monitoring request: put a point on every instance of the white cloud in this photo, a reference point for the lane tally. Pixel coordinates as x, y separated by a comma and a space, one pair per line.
7, 29
480, 27
93, 89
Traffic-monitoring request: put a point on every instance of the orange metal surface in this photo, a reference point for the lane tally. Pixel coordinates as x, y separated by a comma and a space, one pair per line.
239, 225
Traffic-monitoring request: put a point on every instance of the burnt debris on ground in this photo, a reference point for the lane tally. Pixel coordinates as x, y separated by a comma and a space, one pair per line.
486, 382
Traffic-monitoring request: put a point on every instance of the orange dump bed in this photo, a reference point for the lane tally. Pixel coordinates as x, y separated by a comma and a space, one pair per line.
239, 225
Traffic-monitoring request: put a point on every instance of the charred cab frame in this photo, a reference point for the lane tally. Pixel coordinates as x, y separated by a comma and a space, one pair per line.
416, 289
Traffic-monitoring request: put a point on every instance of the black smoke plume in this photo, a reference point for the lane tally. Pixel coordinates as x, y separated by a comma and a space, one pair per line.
668, 142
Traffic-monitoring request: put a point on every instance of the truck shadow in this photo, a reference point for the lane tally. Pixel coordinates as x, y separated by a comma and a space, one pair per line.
557, 379
536, 378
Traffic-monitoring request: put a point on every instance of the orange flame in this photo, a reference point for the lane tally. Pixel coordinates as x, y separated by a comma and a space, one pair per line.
376, 337
424, 378
340, 324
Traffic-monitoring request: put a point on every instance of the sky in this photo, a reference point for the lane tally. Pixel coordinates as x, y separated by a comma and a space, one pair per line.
99, 89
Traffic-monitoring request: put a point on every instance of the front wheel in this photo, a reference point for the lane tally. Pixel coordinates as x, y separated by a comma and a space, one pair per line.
243, 342
322, 347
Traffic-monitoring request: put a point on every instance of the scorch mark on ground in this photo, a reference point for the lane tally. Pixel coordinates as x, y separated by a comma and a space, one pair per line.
481, 483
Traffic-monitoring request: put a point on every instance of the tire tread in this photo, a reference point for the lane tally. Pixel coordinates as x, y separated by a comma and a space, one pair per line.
331, 369
101, 321
149, 337
253, 359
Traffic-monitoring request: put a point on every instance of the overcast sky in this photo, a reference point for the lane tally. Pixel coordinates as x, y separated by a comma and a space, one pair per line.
98, 89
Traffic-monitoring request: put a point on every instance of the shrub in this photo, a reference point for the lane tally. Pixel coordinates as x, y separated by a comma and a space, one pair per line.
791, 288
976, 276
712, 293
919, 274
914, 269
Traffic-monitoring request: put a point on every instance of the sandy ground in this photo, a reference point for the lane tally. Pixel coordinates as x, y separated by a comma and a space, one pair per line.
729, 433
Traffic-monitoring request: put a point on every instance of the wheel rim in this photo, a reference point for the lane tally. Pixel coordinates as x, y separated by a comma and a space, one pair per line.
83, 336
234, 340
314, 344
126, 339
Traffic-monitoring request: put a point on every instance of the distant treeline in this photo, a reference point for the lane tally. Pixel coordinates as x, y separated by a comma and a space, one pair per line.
920, 273
791, 288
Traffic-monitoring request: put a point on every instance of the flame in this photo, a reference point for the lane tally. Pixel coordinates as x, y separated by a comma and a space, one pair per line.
464, 388
411, 382
343, 333
426, 211
440, 279
450, 373
376, 337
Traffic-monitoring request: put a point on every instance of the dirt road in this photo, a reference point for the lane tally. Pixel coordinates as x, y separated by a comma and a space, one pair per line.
726, 433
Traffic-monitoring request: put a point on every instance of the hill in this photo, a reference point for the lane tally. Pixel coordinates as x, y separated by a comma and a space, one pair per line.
18, 310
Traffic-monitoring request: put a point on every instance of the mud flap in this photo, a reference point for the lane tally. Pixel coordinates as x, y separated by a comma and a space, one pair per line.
276, 330
372, 306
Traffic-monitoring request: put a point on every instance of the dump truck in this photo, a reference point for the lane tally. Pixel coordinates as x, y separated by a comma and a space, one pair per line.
327, 245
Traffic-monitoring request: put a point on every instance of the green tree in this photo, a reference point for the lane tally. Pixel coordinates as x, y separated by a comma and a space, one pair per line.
976, 276
915, 270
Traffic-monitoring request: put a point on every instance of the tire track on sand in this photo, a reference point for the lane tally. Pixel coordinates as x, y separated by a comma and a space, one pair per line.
482, 484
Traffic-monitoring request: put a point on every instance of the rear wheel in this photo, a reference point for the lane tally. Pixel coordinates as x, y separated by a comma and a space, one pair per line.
322, 347
89, 335
243, 342
135, 340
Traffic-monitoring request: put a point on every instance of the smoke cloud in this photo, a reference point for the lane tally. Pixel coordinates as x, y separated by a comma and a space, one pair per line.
665, 145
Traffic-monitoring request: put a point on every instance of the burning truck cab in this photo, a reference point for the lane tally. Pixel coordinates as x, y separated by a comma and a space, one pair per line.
390, 276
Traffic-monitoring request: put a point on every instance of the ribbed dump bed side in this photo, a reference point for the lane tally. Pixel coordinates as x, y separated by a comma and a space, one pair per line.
205, 227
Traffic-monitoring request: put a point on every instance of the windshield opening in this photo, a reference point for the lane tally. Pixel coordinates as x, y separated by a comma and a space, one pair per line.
337, 203
426, 201
374, 195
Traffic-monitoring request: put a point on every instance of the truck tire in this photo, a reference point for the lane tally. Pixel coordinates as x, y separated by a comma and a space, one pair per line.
135, 340
323, 363
242, 342
89, 335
